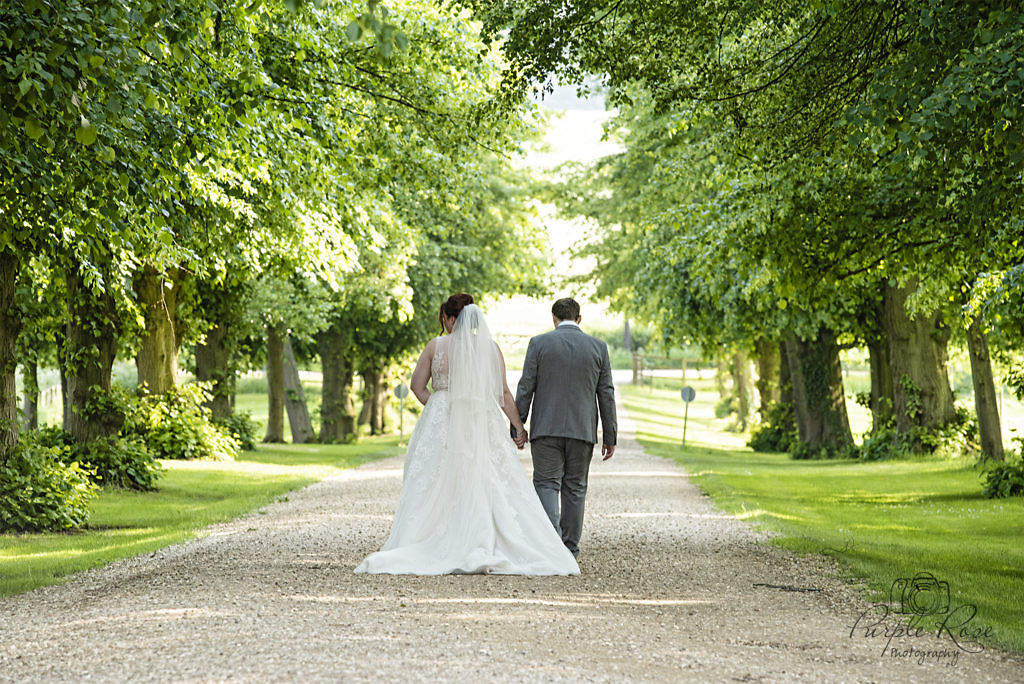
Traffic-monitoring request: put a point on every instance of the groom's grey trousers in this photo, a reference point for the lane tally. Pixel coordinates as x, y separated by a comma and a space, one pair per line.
560, 467
567, 379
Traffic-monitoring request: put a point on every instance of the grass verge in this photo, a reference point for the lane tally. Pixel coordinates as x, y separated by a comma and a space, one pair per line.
192, 495
882, 521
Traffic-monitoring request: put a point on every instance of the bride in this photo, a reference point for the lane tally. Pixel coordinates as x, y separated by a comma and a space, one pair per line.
466, 504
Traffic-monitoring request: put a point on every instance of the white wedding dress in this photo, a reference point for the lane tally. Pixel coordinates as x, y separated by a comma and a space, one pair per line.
467, 505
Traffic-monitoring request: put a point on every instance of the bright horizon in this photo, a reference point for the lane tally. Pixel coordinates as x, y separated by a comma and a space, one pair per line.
574, 135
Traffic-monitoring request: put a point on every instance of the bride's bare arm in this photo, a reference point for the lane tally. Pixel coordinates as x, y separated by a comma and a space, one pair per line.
421, 374
508, 405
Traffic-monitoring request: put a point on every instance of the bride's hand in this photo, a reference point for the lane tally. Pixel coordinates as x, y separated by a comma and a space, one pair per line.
520, 439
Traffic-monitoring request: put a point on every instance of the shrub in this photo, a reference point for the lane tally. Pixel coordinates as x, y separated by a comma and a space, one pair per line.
177, 425
885, 444
1004, 478
777, 432
801, 451
121, 462
958, 437
113, 461
955, 438
726, 407
50, 436
242, 427
39, 492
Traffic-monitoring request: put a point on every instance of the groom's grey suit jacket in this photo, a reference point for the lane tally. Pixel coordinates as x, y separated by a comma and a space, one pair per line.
568, 378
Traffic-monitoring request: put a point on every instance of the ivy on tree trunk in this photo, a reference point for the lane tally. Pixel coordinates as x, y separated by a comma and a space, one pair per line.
213, 365
917, 356
157, 359
818, 398
90, 345
882, 397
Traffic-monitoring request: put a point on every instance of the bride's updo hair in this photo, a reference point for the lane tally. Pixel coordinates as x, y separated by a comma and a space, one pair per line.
453, 307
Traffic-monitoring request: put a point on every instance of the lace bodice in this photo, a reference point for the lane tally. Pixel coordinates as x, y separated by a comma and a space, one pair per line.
439, 365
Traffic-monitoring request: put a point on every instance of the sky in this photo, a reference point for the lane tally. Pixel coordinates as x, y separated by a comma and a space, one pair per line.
574, 134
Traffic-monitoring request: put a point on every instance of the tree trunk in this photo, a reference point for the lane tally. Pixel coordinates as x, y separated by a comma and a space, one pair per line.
917, 356
627, 336
767, 353
741, 386
367, 405
30, 407
62, 367
10, 326
295, 399
785, 379
372, 412
275, 384
818, 400
213, 366
337, 411
721, 368
882, 397
383, 396
984, 393
157, 359
90, 344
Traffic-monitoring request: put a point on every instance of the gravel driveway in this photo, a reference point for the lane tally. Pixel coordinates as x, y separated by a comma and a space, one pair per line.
671, 590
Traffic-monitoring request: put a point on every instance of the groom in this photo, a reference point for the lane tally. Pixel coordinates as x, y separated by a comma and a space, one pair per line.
568, 378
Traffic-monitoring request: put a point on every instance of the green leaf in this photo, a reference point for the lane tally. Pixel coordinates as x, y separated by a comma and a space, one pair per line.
24, 86
292, 5
33, 129
354, 31
86, 133
96, 61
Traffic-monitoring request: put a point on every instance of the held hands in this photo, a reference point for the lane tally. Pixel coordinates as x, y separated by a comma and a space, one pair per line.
607, 450
520, 438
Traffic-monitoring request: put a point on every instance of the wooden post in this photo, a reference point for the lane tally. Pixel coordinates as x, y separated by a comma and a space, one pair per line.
637, 379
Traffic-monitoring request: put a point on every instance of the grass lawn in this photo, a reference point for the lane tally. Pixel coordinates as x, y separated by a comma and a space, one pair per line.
192, 495
881, 521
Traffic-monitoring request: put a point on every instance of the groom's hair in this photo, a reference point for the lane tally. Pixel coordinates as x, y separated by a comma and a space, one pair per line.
566, 309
